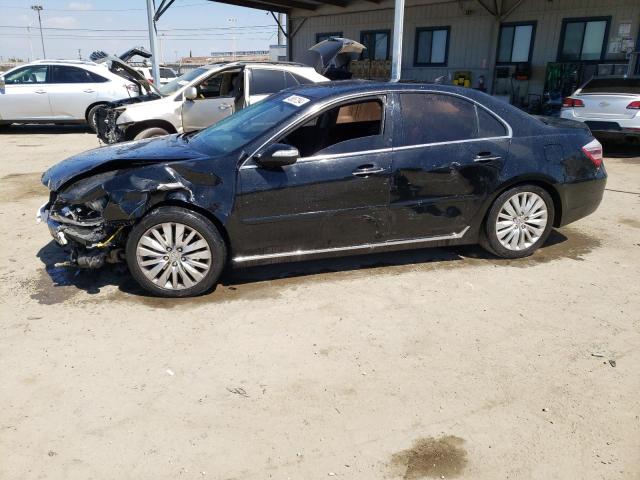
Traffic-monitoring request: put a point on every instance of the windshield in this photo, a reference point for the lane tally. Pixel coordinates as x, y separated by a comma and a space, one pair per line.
248, 124
177, 83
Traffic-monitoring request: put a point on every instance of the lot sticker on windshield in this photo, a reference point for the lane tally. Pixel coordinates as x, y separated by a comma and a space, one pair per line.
182, 82
296, 100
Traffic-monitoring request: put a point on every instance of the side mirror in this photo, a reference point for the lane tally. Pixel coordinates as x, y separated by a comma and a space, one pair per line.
277, 155
191, 93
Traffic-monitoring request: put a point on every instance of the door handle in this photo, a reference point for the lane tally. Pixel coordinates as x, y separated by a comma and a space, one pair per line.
89, 90
224, 106
486, 157
366, 170
40, 92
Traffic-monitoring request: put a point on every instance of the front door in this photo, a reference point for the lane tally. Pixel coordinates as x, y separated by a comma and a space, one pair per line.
26, 94
334, 197
447, 160
217, 95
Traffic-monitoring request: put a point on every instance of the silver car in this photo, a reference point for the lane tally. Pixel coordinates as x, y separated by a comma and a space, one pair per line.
199, 98
57, 91
610, 106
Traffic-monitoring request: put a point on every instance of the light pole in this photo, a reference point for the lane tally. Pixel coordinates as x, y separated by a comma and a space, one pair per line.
38, 8
232, 22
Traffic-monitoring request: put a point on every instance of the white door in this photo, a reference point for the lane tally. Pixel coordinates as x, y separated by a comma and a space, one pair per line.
71, 91
216, 100
25, 95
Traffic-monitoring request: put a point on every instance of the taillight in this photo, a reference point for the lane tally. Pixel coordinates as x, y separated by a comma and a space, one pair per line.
593, 150
151, 80
634, 105
569, 102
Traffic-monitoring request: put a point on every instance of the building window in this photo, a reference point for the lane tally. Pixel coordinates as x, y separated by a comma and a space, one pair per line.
377, 43
432, 46
325, 36
583, 39
515, 44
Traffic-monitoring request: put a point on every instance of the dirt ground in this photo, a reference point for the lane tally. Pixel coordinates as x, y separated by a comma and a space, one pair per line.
441, 363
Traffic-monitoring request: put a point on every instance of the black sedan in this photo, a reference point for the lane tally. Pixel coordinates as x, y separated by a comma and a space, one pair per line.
325, 170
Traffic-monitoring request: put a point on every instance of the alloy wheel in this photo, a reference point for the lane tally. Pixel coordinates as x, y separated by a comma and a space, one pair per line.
174, 256
521, 221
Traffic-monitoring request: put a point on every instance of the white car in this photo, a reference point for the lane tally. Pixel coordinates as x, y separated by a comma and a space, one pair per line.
57, 91
199, 99
610, 106
166, 74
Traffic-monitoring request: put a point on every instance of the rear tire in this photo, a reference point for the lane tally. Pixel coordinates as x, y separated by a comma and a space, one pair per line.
151, 132
91, 117
175, 252
519, 222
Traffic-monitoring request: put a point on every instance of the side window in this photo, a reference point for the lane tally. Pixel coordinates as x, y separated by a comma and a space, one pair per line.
210, 87
266, 82
433, 117
347, 128
488, 125
64, 74
27, 75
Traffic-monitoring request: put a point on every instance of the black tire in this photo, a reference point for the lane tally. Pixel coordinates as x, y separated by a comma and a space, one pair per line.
151, 132
489, 237
193, 220
91, 117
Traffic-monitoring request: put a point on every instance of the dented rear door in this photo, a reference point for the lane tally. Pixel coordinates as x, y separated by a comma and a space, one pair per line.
446, 161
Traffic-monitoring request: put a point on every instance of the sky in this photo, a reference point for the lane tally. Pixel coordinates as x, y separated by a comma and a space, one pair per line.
114, 26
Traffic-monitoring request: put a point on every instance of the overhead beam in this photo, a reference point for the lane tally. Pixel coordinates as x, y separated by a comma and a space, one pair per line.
282, 6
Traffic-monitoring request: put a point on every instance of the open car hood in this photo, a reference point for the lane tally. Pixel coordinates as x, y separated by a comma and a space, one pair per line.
334, 51
119, 67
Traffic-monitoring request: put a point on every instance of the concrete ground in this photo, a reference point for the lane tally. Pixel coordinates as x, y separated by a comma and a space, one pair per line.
428, 364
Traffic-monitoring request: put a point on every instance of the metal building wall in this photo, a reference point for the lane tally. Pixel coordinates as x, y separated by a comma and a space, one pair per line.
473, 35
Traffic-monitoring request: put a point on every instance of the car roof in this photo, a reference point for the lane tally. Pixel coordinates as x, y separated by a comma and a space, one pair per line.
326, 89
250, 63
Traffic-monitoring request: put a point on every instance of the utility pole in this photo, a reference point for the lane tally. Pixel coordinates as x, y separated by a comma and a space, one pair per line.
232, 22
79, 54
38, 8
153, 41
280, 34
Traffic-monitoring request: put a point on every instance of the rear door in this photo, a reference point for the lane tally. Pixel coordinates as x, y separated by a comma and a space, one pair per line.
216, 100
26, 94
72, 91
447, 158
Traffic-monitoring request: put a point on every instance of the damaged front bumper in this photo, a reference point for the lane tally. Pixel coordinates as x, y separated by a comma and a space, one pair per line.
106, 123
92, 243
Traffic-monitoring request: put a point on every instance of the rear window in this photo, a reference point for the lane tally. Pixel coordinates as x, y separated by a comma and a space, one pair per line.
613, 85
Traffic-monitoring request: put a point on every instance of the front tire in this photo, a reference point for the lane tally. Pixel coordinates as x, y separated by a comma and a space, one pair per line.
151, 132
519, 222
175, 252
91, 117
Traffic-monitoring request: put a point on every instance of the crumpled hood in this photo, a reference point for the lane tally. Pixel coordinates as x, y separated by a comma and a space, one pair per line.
169, 148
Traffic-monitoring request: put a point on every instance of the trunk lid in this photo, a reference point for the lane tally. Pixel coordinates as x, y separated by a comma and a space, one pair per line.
604, 106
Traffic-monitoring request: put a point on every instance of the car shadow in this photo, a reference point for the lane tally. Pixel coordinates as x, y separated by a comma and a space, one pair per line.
92, 281
43, 129
619, 149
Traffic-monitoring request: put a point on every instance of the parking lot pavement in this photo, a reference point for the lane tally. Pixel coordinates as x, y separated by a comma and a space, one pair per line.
433, 363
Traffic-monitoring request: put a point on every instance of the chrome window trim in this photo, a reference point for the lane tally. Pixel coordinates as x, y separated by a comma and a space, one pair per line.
301, 253
248, 163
